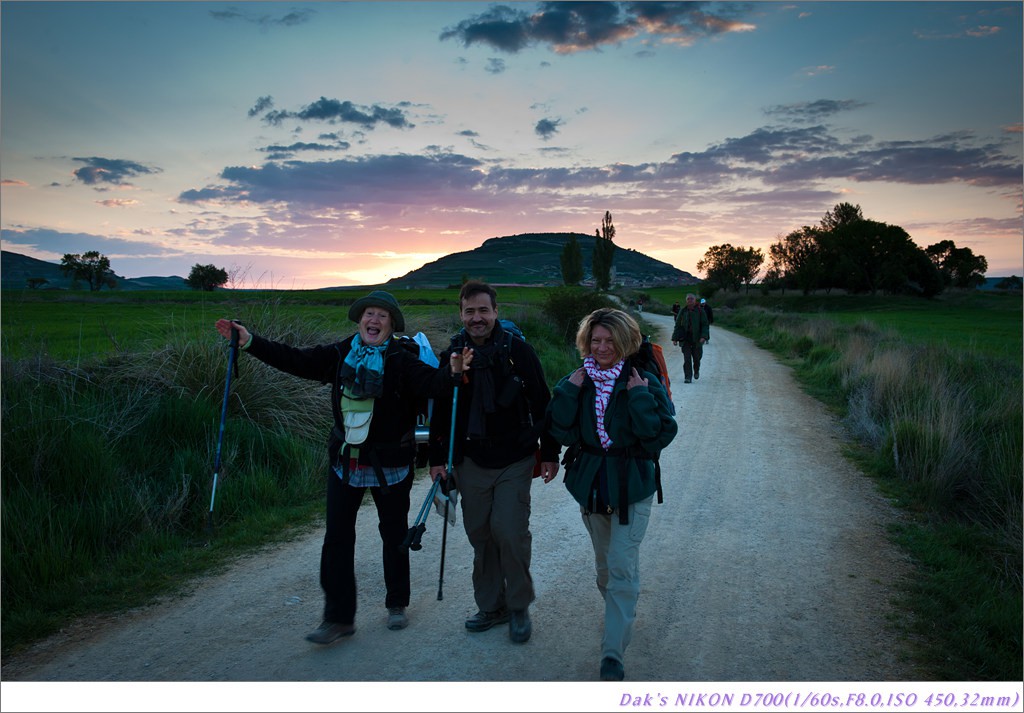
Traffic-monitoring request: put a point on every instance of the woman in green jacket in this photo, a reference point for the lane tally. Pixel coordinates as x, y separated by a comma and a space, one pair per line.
615, 417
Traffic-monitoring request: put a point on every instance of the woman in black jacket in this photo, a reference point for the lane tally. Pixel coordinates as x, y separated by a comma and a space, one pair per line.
375, 384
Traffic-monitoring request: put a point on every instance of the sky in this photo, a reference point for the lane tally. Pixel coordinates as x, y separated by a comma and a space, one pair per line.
307, 145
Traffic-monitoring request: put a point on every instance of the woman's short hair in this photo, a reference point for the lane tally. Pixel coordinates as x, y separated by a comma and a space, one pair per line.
624, 329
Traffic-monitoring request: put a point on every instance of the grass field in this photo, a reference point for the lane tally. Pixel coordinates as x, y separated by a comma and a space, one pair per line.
131, 384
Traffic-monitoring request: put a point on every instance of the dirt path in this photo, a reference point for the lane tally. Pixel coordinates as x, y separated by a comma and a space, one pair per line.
768, 561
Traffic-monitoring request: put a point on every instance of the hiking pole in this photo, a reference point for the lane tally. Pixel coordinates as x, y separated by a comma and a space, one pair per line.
447, 498
232, 355
412, 538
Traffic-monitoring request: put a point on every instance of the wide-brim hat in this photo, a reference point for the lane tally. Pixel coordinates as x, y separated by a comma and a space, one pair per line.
378, 298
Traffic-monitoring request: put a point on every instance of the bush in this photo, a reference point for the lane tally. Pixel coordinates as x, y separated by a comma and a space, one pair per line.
566, 306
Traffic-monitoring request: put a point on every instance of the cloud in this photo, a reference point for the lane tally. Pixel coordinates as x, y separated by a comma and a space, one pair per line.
765, 160
290, 19
546, 128
118, 203
278, 151
568, 27
11, 182
334, 111
109, 170
813, 111
495, 65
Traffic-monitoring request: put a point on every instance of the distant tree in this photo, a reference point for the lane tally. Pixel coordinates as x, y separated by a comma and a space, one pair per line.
572, 262
959, 267
748, 264
604, 253
877, 256
1010, 283
91, 267
36, 282
206, 277
729, 267
796, 260
842, 214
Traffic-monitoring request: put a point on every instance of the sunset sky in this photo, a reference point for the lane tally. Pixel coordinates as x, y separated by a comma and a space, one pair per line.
337, 143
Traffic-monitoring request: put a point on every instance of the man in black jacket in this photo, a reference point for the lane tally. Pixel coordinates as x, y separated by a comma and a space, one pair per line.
499, 428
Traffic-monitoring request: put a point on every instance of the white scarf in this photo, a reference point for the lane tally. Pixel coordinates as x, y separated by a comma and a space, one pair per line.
604, 381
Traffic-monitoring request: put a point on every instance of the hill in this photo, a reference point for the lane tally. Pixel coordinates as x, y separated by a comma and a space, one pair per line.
534, 259
16, 270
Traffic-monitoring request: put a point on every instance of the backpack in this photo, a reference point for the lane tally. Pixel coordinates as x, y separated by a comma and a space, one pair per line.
420, 346
652, 358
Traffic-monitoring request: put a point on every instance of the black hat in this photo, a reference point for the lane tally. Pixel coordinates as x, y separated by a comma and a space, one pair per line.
378, 298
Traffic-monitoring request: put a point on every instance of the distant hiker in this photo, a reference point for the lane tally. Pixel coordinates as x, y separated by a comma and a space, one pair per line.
690, 334
499, 428
375, 385
615, 419
675, 308
640, 305
711, 315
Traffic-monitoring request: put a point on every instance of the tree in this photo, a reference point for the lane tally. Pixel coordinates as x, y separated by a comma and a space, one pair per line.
729, 267
206, 277
91, 267
36, 282
1010, 283
959, 267
842, 214
572, 262
604, 253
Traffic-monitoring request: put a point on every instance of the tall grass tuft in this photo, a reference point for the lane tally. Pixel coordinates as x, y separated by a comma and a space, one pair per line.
107, 469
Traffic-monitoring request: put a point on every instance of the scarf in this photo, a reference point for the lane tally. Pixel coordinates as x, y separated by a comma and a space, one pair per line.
482, 402
362, 373
604, 381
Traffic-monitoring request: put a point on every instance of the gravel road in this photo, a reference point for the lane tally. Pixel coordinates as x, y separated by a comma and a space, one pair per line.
768, 561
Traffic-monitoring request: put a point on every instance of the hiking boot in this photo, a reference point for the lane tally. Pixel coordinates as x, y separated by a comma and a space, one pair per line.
519, 626
397, 618
484, 620
696, 376
330, 631
611, 670
687, 381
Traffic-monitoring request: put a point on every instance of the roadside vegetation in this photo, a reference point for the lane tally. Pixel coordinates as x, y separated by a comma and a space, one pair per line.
931, 392
111, 409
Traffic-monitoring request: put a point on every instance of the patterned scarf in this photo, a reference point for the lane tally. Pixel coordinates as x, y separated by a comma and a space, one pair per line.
362, 374
604, 381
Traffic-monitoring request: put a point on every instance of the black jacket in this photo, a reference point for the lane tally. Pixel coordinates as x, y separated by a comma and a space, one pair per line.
513, 431
406, 380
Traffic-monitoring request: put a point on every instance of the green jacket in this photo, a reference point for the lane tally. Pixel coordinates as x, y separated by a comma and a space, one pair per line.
694, 320
639, 422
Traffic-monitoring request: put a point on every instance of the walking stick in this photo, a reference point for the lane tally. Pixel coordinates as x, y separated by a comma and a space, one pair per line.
447, 499
232, 356
412, 538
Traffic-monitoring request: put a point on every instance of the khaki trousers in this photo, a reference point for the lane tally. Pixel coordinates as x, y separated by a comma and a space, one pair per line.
617, 559
496, 514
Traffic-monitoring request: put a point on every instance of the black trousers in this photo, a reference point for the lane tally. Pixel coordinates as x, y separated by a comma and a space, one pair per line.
692, 354
337, 557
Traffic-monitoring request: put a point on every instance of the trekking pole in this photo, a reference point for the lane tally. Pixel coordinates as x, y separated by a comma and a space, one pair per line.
412, 538
447, 498
232, 355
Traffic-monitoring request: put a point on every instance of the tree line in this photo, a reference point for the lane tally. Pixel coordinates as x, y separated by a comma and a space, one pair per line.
94, 269
849, 252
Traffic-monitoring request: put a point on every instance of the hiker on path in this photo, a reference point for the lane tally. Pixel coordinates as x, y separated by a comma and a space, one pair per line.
499, 423
711, 316
690, 334
375, 383
615, 419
